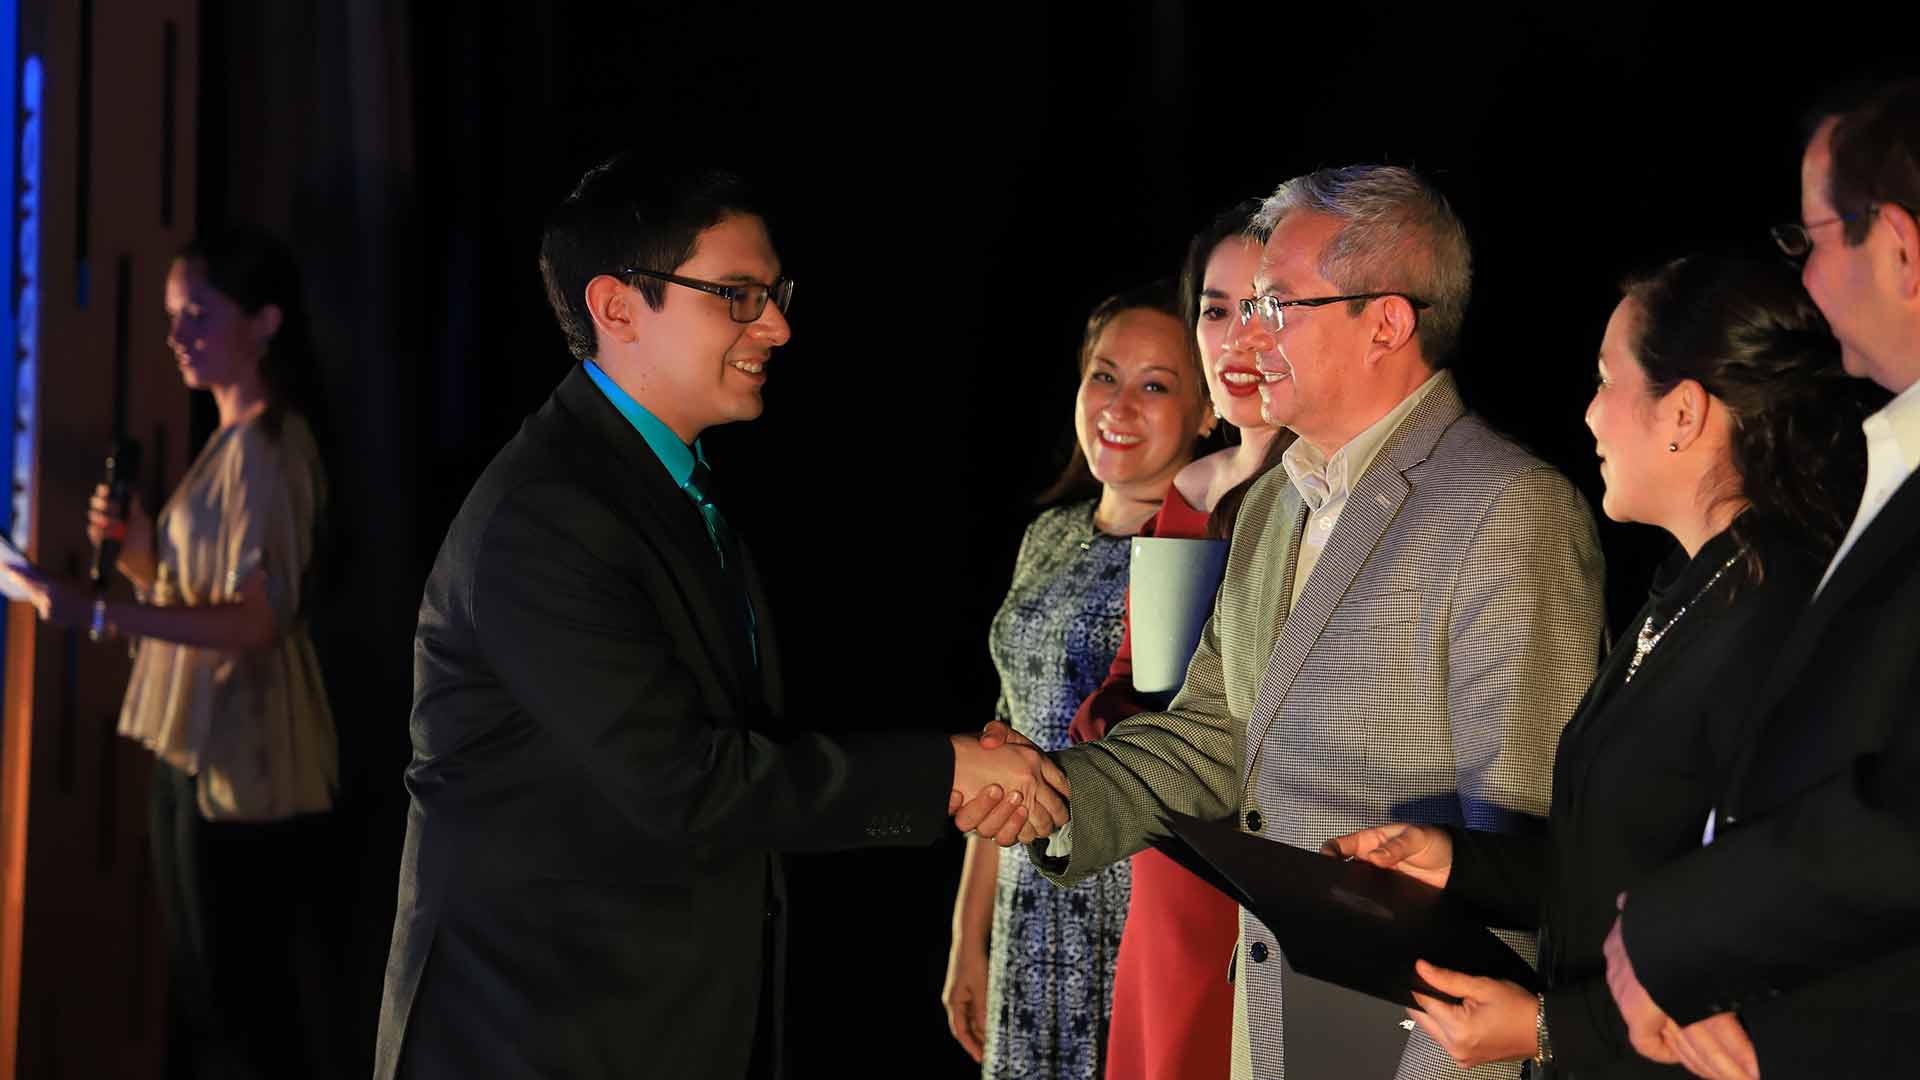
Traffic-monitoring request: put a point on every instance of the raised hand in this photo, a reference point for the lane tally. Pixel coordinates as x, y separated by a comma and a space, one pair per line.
1495, 1020
1011, 793
1421, 852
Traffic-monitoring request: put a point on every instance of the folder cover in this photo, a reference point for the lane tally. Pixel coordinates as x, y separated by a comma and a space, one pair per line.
1352, 924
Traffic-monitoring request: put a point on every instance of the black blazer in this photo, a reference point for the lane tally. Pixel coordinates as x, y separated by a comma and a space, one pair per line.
1637, 771
1804, 914
601, 780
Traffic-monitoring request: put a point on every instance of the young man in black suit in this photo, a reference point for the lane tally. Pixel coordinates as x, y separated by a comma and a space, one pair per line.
1790, 944
604, 775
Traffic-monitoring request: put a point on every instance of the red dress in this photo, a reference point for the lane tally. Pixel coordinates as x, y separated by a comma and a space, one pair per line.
1172, 1003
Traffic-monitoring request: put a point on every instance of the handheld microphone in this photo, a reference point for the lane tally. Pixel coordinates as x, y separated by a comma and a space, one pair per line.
123, 468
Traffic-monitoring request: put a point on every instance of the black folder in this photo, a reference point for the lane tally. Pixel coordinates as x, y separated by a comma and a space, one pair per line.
1352, 924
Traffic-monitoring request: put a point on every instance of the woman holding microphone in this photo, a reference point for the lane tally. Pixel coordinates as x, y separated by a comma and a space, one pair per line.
226, 690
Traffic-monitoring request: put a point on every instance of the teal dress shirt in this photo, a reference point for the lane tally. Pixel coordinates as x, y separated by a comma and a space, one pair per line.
679, 458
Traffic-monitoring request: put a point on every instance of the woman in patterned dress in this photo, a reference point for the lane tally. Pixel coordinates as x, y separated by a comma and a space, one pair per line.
1030, 979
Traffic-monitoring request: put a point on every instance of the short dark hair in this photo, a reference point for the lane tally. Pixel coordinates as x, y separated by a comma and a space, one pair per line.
1876, 157
1076, 481
630, 212
1749, 334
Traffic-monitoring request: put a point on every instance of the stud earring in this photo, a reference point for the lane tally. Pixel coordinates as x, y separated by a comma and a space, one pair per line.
1673, 448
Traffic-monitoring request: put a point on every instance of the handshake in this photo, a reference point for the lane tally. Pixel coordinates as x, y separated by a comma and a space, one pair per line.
1004, 788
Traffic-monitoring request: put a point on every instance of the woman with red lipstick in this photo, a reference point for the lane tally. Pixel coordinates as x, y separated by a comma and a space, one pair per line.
1172, 1002
1030, 978
226, 690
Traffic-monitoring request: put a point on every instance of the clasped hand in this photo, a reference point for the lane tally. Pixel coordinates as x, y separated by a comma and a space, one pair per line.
1004, 788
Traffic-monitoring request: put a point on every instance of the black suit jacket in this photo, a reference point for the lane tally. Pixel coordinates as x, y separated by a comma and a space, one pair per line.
1804, 913
1638, 769
602, 780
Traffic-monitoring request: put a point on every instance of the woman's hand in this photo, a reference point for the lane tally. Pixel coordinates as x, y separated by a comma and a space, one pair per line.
135, 534
1421, 852
965, 995
1493, 1022
62, 603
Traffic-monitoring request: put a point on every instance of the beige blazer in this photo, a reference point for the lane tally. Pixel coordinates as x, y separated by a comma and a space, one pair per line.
1447, 633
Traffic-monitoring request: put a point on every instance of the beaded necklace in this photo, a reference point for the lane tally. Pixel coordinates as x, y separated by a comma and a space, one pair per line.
1645, 641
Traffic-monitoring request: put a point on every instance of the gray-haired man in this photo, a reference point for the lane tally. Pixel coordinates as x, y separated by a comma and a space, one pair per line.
1412, 606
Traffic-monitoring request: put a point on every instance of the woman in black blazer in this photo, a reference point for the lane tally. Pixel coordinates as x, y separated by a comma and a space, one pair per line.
1722, 416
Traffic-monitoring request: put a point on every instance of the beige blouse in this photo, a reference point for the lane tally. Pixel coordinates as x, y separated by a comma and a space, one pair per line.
254, 726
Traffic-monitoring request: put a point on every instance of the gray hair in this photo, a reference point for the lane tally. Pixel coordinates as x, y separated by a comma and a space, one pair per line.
1397, 235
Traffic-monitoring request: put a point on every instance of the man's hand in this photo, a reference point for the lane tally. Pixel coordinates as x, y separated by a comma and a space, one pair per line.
1004, 789
1495, 1020
1716, 1048
1645, 1020
1421, 852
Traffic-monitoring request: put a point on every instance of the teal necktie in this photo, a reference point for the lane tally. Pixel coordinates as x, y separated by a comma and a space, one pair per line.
699, 488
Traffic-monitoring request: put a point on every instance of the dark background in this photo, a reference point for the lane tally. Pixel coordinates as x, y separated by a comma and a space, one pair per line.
956, 187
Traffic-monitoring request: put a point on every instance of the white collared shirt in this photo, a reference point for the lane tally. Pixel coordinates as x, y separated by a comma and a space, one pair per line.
1893, 451
1324, 483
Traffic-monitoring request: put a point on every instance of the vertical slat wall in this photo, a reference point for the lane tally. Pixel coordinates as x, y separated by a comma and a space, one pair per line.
82, 955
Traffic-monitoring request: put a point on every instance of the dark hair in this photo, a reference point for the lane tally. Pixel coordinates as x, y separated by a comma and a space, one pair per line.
251, 267
1750, 335
1076, 480
1876, 157
629, 212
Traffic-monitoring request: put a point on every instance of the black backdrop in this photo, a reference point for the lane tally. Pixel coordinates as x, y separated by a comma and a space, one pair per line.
956, 186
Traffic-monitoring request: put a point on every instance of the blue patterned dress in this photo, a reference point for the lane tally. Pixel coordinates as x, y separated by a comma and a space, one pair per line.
1050, 968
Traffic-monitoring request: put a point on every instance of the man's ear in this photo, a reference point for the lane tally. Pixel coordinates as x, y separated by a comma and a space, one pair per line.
1393, 324
1906, 248
612, 305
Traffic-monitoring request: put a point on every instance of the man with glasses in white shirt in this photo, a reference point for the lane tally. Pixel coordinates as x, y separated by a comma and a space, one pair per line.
1790, 944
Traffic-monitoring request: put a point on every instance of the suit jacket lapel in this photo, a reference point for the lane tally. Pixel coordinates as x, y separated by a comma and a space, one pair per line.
1892, 533
772, 690
1371, 506
617, 460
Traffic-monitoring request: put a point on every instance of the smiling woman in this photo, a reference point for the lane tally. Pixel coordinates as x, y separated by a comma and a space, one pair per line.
1030, 978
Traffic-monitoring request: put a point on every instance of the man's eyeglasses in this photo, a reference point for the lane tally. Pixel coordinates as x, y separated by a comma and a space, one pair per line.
744, 302
1797, 240
1273, 310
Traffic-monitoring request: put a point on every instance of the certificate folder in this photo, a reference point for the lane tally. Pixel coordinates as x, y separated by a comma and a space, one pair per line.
1352, 924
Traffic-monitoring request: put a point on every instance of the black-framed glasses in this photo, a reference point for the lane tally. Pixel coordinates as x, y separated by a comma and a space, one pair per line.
1273, 310
745, 303
1796, 240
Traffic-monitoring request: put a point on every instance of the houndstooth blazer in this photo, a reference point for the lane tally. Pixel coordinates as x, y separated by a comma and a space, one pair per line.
1448, 631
